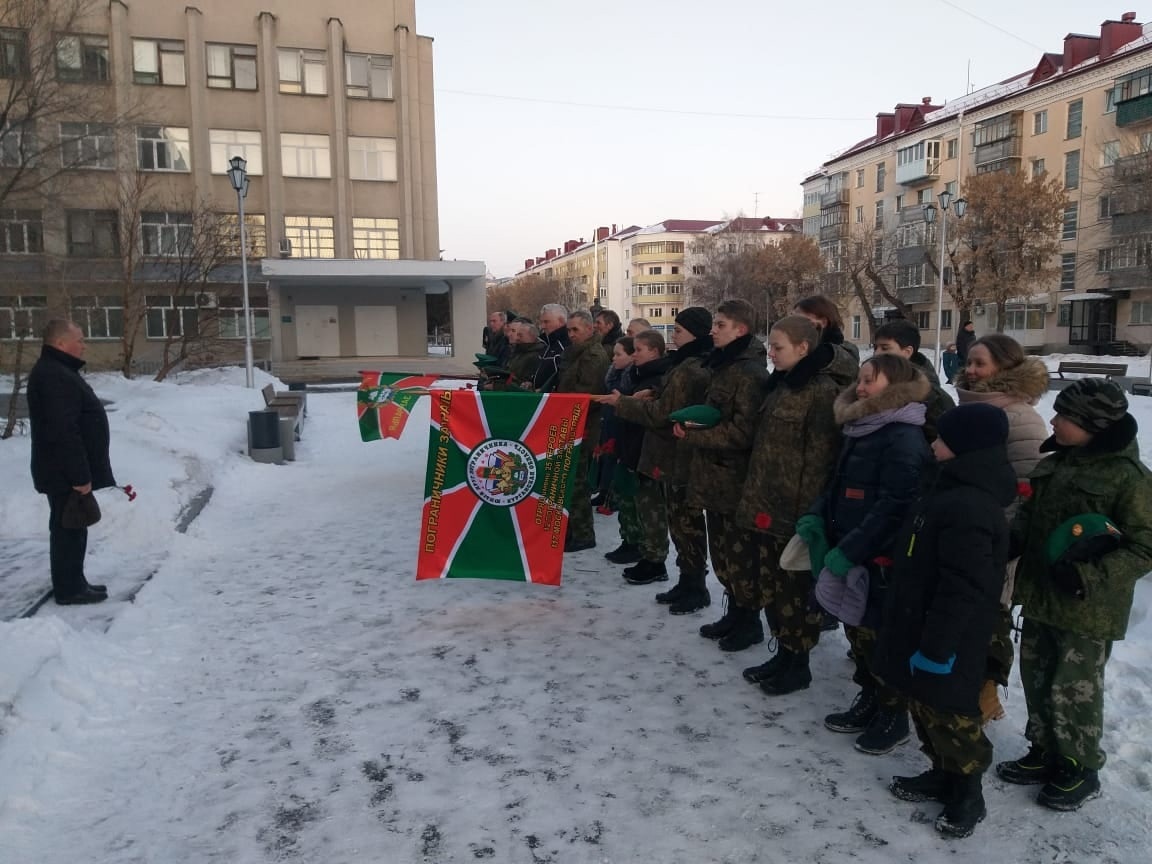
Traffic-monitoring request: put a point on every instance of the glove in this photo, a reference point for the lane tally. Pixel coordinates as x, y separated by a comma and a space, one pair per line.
838, 563
919, 661
811, 531
1065, 577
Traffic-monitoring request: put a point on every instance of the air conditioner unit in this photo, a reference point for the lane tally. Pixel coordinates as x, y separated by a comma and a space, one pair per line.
206, 300
285, 248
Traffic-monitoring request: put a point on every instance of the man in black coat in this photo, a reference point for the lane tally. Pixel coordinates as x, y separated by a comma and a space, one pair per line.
554, 334
70, 441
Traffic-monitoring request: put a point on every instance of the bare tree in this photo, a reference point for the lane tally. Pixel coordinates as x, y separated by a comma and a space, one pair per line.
528, 293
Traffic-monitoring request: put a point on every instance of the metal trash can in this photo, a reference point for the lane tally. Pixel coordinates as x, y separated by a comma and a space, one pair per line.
264, 437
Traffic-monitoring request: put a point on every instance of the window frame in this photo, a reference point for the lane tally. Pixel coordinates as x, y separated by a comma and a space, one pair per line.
291, 155
1040, 122
35, 312
31, 229
249, 53
311, 234
161, 48
159, 144
251, 152
17, 38
1075, 125
1144, 306
171, 313
361, 159
165, 228
104, 132
371, 61
108, 218
1072, 161
108, 307
85, 42
302, 63
368, 239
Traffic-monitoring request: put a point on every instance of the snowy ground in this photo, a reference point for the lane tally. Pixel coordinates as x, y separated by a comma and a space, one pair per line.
283, 690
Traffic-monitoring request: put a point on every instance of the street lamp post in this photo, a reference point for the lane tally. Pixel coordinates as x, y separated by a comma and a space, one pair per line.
960, 205
238, 176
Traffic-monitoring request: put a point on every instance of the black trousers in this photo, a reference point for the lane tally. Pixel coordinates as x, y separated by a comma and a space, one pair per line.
66, 550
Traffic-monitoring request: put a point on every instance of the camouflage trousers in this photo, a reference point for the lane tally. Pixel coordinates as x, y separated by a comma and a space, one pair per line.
863, 641
652, 514
955, 743
689, 533
631, 531
735, 557
580, 504
1000, 654
1063, 677
786, 597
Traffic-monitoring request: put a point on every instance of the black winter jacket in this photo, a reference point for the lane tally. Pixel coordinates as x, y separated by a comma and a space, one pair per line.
70, 435
946, 581
548, 372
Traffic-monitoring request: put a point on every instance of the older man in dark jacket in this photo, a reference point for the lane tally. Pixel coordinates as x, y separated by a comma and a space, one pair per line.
70, 441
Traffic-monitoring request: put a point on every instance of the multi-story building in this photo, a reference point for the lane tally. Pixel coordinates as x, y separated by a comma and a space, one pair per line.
334, 115
1083, 115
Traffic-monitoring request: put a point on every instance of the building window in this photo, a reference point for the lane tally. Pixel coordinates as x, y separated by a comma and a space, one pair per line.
1067, 271
1075, 118
656, 312
82, 58
305, 155
87, 145
369, 76
171, 317
13, 53
1072, 170
226, 143
311, 236
924, 196
952, 148
881, 171
99, 317
879, 215
1105, 207
1105, 260
951, 188
1071, 217
859, 214
1024, 317
878, 252
1064, 315
255, 233
1039, 122
923, 320
655, 271
698, 269
23, 317
1146, 142
165, 234
158, 62
859, 178
946, 319
376, 238
21, 232
17, 145
855, 327
1037, 168
1109, 153
231, 67
163, 148
372, 158
1110, 100
93, 234
1141, 312
899, 204
230, 315
303, 71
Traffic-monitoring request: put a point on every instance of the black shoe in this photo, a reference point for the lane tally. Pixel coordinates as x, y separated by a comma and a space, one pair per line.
690, 600
1071, 785
794, 675
887, 731
858, 716
647, 572
964, 808
625, 553
103, 589
932, 785
746, 632
574, 545
828, 623
673, 594
724, 626
758, 674
85, 595
1030, 769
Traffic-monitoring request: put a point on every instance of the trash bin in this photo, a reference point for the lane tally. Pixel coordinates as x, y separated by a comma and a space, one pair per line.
264, 437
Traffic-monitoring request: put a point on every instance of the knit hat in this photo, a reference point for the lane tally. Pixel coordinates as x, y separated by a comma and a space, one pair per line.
1093, 404
973, 426
696, 320
1084, 537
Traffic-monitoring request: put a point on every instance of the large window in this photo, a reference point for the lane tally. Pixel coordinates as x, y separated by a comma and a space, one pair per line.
1039, 122
255, 234
376, 238
23, 316
165, 234
1141, 312
1067, 271
311, 236
1071, 218
156, 61
171, 317
87, 145
305, 155
303, 71
21, 232
372, 158
1024, 317
230, 314
1072, 170
226, 143
1075, 118
17, 145
881, 173
82, 58
1109, 153
99, 317
163, 148
93, 234
232, 67
369, 76
13, 53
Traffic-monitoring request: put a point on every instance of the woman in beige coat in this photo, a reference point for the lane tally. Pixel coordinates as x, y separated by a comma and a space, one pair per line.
999, 373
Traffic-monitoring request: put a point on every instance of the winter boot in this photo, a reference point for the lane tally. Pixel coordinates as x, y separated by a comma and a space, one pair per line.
1071, 785
932, 785
757, 674
964, 809
573, 544
748, 631
856, 719
727, 621
990, 707
887, 731
625, 553
646, 572
673, 593
1030, 769
693, 596
794, 675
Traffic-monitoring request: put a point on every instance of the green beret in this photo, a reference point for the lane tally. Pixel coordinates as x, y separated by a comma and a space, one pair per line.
485, 358
1083, 538
696, 416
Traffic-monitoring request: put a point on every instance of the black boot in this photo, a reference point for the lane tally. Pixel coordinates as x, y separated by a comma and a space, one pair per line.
887, 731
964, 809
858, 715
794, 674
692, 597
645, 573
673, 593
724, 626
932, 785
748, 631
761, 673
1071, 785
625, 553
1032, 768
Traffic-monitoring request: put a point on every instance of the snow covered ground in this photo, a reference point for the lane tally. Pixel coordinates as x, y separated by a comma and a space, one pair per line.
283, 690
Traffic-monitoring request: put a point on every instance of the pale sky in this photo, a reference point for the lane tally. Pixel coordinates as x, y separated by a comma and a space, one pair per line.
555, 117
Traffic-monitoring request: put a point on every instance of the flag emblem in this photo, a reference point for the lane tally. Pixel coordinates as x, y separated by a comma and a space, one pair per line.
501, 472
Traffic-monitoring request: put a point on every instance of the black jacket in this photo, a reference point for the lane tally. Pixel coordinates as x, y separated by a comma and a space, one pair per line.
548, 372
69, 427
964, 340
945, 585
630, 436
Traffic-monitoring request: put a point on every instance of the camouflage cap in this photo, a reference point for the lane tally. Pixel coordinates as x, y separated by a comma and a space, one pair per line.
1093, 404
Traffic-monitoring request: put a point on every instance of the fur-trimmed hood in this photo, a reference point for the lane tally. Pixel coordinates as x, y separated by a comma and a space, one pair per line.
1026, 383
848, 408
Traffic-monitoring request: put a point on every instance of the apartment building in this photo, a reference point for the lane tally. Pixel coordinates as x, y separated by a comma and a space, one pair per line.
333, 112
1083, 115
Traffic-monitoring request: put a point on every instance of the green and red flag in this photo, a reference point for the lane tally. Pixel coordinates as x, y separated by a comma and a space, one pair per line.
500, 468
385, 400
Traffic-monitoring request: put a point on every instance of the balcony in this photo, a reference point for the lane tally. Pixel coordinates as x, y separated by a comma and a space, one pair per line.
998, 151
1133, 111
919, 294
1129, 278
1126, 224
653, 278
919, 171
829, 233
1138, 166
839, 198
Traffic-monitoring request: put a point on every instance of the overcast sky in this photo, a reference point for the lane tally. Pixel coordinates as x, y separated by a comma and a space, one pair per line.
554, 117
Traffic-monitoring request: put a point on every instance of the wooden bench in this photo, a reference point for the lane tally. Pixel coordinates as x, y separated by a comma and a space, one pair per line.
1057, 381
290, 406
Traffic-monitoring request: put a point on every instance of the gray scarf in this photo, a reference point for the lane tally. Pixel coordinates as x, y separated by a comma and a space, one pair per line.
913, 414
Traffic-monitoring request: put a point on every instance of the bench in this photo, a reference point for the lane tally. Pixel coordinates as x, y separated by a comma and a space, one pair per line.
1075, 367
290, 406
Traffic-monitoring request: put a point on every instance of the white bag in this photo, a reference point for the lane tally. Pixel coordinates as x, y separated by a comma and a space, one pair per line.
795, 555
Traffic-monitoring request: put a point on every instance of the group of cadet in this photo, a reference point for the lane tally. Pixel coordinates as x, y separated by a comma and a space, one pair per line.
826, 485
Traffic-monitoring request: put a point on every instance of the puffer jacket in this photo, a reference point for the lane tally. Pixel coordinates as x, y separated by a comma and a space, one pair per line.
1015, 391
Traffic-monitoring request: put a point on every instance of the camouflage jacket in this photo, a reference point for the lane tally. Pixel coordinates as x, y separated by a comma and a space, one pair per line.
1104, 476
522, 366
797, 441
686, 383
720, 454
582, 370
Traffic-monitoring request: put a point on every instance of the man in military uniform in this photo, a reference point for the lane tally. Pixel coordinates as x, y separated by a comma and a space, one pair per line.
526, 347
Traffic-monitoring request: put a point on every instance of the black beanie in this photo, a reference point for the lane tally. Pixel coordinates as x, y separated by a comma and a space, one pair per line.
696, 320
973, 426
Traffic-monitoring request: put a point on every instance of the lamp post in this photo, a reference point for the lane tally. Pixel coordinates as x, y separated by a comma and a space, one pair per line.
238, 176
960, 205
